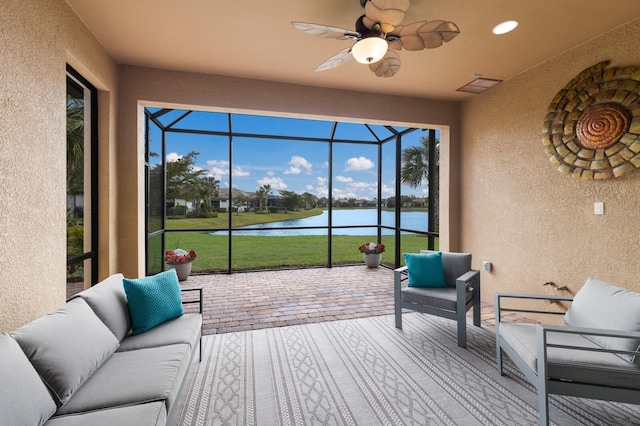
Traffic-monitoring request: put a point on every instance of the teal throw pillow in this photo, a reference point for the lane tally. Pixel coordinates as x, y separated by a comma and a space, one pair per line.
153, 300
425, 270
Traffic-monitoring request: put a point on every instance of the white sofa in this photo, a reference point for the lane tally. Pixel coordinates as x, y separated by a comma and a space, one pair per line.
81, 365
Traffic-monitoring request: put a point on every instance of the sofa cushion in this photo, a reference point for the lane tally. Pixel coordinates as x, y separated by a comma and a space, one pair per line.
184, 329
602, 305
134, 377
150, 414
153, 300
571, 365
425, 269
109, 301
66, 347
24, 399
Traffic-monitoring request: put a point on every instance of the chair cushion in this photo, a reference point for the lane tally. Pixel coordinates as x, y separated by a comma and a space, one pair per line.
442, 298
109, 302
24, 399
571, 365
602, 305
153, 300
425, 269
66, 347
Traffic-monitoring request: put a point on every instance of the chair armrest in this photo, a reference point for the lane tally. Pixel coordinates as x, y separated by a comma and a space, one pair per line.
467, 278
544, 329
499, 308
199, 300
400, 270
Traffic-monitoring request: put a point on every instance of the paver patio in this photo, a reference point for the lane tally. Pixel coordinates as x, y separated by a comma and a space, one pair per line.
254, 300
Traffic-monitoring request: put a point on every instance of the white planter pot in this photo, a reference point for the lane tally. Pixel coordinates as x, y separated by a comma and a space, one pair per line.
372, 260
182, 269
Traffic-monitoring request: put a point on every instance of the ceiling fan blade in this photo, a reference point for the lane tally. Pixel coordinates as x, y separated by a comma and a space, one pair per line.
325, 31
387, 66
388, 13
426, 34
342, 57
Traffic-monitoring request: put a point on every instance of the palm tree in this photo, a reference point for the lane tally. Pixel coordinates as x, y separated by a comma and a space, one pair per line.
75, 148
309, 200
415, 170
263, 193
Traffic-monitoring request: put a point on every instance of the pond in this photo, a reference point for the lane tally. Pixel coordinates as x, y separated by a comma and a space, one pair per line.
342, 217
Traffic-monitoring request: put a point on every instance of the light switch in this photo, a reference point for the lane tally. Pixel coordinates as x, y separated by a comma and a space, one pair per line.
598, 207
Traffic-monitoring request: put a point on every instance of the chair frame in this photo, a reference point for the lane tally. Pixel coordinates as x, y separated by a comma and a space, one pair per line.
470, 279
546, 385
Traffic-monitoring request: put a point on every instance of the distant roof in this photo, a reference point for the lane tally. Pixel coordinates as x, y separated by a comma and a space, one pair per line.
223, 194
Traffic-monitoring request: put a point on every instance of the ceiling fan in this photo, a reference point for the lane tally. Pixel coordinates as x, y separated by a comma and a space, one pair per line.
378, 34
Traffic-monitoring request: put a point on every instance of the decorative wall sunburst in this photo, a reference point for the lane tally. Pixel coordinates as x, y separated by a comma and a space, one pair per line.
592, 126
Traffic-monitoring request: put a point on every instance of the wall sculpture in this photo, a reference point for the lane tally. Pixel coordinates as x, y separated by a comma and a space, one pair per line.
592, 126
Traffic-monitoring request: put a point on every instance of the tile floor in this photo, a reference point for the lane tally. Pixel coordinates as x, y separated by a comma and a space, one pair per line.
255, 300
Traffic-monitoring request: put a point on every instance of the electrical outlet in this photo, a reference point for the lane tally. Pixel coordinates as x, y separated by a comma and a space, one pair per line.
486, 266
598, 207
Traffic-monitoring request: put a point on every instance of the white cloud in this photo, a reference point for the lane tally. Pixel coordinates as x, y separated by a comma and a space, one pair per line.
388, 191
173, 156
296, 164
274, 181
321, 188
238, 171
344, 179
218, 168
360, 186
360, 163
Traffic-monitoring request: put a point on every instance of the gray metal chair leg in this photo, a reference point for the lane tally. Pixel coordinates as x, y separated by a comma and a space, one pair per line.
462, 329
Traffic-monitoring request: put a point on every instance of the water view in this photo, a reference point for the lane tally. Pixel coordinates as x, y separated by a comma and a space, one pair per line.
342, 217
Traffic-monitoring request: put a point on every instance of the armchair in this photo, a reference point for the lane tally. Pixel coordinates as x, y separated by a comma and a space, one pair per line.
595, 354
462, 291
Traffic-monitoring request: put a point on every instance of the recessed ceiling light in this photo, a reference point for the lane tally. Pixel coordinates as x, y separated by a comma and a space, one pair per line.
505, 27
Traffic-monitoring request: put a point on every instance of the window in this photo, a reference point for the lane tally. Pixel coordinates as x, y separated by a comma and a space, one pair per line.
81, 183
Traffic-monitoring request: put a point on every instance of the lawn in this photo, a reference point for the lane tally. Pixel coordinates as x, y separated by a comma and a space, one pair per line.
260, 252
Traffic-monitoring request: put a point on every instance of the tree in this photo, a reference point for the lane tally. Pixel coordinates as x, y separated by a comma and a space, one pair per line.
415, 169
263, 194
291, 200
183, 178
75, 149
238, 202
309, 200
203, 190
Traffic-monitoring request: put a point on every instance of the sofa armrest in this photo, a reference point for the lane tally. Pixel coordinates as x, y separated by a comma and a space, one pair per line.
191, 301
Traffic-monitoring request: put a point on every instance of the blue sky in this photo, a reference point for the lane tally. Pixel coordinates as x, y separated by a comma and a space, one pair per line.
299, 166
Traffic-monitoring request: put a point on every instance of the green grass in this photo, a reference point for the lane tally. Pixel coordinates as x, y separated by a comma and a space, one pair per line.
263, 252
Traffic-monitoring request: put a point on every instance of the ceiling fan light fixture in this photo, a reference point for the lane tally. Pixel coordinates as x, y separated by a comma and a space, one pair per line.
369, 49
505, 27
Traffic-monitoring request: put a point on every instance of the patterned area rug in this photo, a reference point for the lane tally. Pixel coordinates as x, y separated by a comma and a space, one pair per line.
365, 372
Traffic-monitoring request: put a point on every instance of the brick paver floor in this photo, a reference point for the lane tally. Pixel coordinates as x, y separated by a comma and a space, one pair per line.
255, 300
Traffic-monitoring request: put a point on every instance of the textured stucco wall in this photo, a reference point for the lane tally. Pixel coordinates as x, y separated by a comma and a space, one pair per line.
534, 223
145, 86
37, 38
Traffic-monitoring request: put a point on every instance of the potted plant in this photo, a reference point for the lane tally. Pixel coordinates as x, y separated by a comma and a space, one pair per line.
180, 260
372, 254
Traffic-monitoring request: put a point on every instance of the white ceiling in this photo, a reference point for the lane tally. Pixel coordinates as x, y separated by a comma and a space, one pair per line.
255, 39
